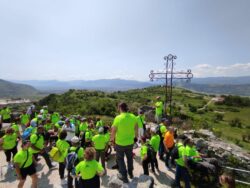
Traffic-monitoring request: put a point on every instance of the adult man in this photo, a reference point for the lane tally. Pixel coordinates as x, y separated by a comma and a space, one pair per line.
6, 114
124, 132
158, 109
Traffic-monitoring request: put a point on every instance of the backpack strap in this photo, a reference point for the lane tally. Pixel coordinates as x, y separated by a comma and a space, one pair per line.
26, 159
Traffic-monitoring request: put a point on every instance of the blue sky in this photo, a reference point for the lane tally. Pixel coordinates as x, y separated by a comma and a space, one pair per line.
72, 40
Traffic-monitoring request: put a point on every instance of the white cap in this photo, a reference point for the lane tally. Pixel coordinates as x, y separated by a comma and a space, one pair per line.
75, 139
153, 129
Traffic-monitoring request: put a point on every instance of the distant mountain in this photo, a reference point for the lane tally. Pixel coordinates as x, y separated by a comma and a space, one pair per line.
10, 89
223, 80
103, 84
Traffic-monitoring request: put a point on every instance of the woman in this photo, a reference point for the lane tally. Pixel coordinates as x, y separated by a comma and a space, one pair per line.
63, 147
9, 144
89, 170
25, 165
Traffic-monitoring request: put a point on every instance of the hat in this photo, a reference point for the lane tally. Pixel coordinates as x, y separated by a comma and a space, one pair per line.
158, 97
101, 130
83, 119
75, 139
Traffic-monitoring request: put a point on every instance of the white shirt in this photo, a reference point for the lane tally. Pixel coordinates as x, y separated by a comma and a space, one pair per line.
70, 131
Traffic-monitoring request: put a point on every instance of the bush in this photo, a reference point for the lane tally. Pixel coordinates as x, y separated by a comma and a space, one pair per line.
235, 123
217, 133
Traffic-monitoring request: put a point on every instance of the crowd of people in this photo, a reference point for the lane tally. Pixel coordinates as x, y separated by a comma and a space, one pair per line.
77, 144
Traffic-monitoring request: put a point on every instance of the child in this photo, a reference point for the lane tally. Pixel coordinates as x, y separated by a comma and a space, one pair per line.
144, 157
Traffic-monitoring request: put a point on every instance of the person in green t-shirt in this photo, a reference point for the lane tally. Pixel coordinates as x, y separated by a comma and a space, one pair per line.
37, 146
9, 144
181, 164
158, 109
55, 117
100, 143
25, 165
89, 170
155, 143
24, 120
99, 123
63, 147
123, 135
82, 130
141, 124
6, 114
145, 159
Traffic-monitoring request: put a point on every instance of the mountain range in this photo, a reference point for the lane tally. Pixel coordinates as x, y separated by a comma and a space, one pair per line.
212, 85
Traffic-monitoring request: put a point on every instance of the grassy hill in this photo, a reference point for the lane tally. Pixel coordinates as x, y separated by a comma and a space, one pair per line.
228, 120
12, 90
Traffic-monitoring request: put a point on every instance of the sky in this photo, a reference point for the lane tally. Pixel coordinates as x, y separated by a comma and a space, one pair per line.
89, 40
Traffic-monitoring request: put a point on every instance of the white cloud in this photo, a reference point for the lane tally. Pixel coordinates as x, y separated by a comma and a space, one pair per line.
206, 70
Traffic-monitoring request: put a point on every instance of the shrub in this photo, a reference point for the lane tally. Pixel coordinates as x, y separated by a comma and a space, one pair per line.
235, 123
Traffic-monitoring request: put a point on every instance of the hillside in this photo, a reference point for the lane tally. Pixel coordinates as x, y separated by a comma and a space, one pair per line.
228, 120
10, 89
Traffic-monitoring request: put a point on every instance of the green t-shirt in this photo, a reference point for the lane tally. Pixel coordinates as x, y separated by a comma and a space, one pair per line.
99, 141
155, 142
80, 152
140, 120
125, 129
38, 141
55, 117
24, 119
99, 124
182, 153
192, 152
6, 113
63, 147
158, 108
88, 135
48, 127
9, 141
163, 130
143, 151
107, 136
83, 127
88, 169
15, 127
22, 156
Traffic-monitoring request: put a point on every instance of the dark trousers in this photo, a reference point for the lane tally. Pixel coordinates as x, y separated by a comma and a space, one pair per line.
145, 166
8, 153
182, 172
154, 162
61, 170
91, 183
161, 149
101, 154
121, 151
46, 158
168, 154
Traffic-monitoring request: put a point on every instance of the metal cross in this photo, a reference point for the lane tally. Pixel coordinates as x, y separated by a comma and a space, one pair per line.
169, 75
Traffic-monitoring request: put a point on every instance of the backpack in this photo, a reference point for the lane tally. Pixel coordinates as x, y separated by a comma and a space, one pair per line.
27, 132
150, 152
175, 152
71, 159
55, 154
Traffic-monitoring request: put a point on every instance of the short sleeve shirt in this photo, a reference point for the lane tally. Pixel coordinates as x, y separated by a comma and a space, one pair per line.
159, 107
9, 141
21, 157
140, 120
38, 141
80, 153
63, 147
155, 142
99, 141
88, 169
125, 129
143, 151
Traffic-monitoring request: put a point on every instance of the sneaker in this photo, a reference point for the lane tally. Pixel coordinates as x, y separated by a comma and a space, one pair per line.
64, 182
124, 179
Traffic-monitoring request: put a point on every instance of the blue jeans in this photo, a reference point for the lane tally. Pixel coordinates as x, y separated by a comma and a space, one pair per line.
182, 172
